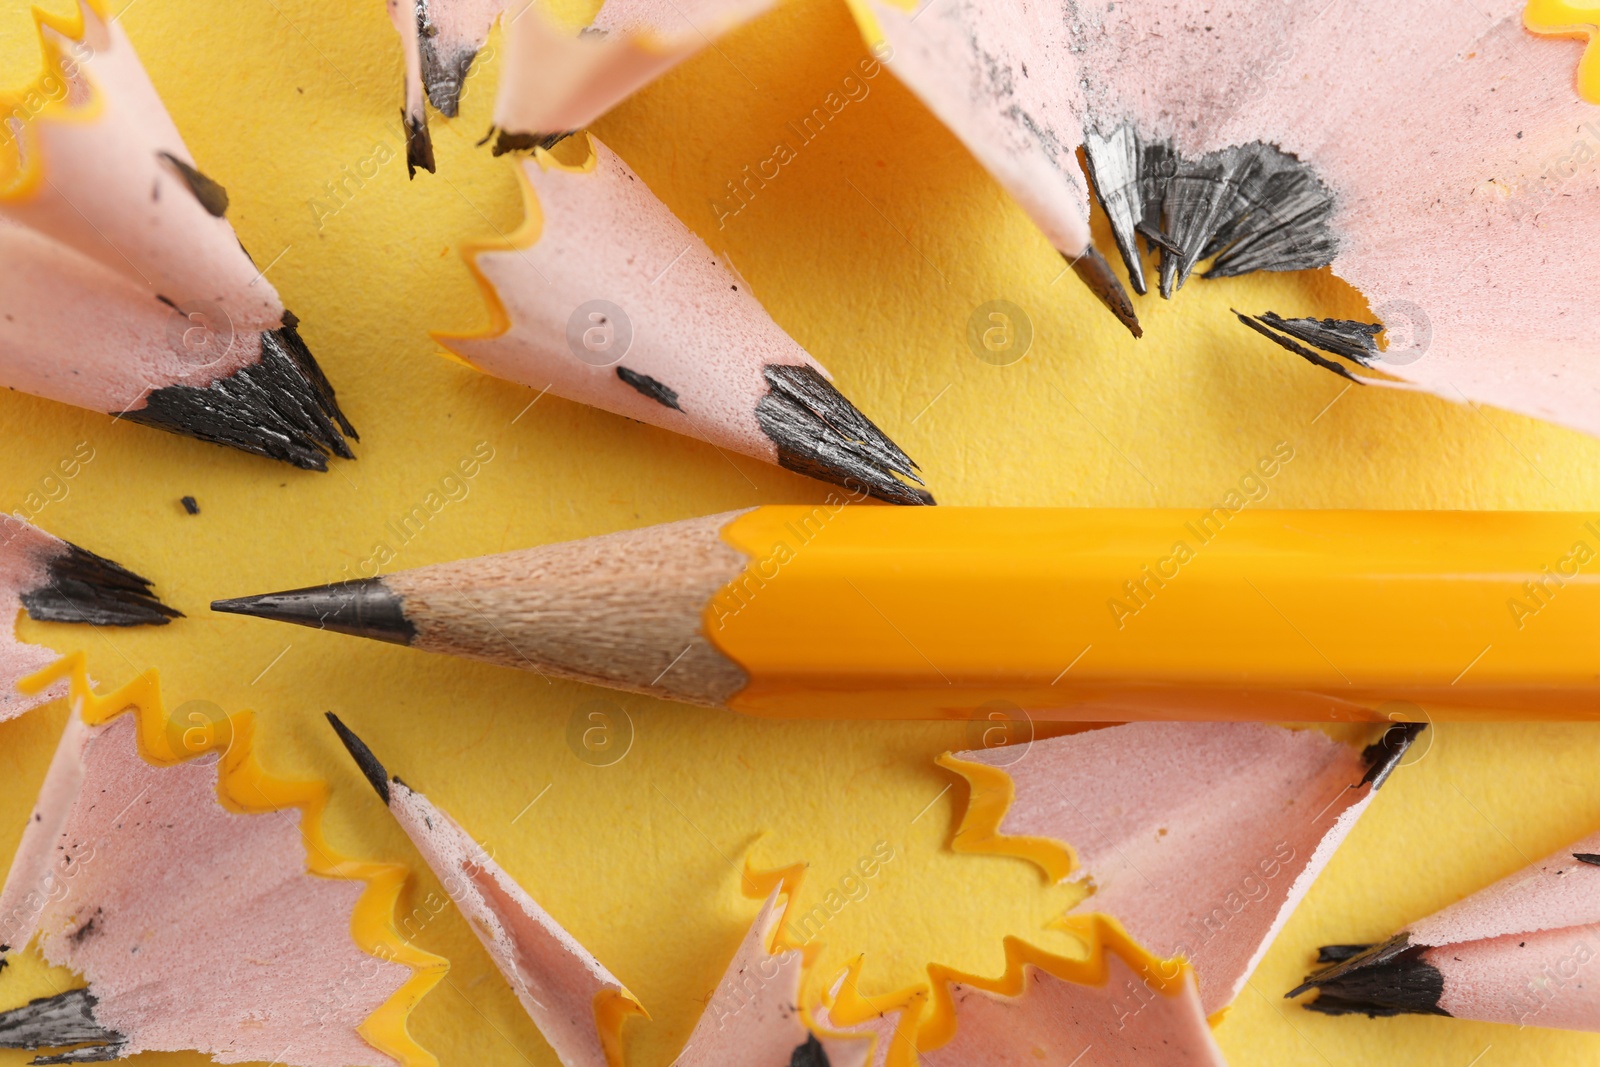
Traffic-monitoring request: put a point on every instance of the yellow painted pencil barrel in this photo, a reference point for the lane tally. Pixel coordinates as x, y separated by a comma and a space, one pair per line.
1072, 613
869, 612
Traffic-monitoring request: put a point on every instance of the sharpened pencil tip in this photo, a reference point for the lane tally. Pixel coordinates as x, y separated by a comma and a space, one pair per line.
364, 607
1096, 273
370, 767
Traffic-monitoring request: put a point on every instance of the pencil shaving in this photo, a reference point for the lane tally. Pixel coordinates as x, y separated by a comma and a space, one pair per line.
146, 823
1267, 139
1003, 80
887, 1021
1210, 875
555, 81
440, 39
605, 298
110, 226
1129, 1007
576, 1003
1123, 1005
1238, 137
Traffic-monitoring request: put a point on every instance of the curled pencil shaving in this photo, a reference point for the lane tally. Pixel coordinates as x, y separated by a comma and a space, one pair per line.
147, 820
605, 298
112, 228
577, 1004
1210, 875
56, 581
555, 81
1513, 952
1128, 1006
1268, 138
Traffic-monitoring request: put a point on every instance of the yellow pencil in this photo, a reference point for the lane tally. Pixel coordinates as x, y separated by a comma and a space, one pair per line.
867, 612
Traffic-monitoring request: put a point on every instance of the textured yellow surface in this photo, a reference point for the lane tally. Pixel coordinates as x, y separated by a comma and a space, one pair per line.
873, 246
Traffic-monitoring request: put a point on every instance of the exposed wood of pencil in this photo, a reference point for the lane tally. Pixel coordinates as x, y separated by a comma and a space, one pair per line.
622, 610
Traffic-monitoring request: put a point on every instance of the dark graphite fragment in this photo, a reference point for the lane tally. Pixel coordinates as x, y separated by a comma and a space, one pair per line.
1249, 207
212, 196
281, 407
648, 386
1355, 341
820, 434
64, 1020
83, 587
810, 1054
1349, 338
419, 144
505, 141
1391, 978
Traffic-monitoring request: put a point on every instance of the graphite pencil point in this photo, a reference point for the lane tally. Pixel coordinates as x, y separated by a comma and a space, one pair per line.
362, 607
370, 767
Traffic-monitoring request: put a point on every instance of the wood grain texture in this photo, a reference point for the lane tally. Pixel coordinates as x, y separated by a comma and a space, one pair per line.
622, 610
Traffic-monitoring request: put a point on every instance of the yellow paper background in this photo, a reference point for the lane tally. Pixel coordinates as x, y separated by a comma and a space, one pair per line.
872, 248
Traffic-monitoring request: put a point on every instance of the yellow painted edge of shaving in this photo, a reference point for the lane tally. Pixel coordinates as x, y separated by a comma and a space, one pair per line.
851, 1007
524, 236
18, 180
1104, 937
1567, 18
1101, 934
867, 22
758, 884
991, 794
612, 1008
244, 786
